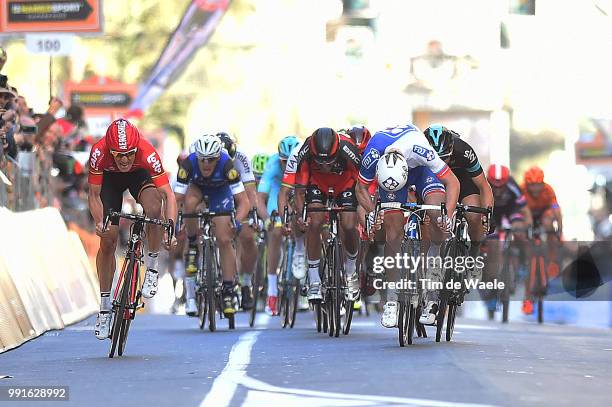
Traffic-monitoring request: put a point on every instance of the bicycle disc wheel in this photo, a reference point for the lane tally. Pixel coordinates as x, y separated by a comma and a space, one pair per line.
257, 285
294, 293
318, 316
119, 311
402, 324
450, 321
211, 286
202, 309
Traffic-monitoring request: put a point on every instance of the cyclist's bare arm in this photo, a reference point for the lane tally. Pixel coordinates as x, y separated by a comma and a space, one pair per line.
251, 191
242, 206
451, 185
169, 201
262, 210
95, 204
282, 199
363, 197
486, 194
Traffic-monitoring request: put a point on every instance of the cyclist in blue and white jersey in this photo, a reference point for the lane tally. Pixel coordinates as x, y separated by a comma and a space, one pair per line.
209, 172
434, 182
267, 191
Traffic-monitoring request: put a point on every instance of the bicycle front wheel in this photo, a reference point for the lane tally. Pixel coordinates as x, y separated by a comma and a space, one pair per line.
211, 285
119, 310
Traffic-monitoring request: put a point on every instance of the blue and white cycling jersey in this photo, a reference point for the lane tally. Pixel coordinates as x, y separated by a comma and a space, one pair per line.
220, 187
270, 182
415, 148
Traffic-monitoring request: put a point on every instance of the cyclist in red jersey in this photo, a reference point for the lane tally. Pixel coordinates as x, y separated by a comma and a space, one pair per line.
328, 160
122, 160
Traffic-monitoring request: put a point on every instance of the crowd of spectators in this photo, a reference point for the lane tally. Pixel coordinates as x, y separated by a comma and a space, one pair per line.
40, 148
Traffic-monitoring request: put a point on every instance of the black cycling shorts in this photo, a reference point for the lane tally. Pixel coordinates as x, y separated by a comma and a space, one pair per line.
466, 183
344, 199
114, 185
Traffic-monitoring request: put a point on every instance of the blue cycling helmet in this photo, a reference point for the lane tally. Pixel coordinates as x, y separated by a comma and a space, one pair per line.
441, 139
286, 145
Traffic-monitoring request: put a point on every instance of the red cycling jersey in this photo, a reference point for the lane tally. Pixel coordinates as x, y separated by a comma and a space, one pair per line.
101, 160
343, 174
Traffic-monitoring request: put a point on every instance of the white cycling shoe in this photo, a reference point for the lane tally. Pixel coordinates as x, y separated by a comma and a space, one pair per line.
352, 283
298, 266
191, 308
389, 315
103, 325
314, 292
428, 316
149, 287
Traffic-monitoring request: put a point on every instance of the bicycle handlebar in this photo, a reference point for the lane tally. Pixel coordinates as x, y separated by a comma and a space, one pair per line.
201, 215
168, 225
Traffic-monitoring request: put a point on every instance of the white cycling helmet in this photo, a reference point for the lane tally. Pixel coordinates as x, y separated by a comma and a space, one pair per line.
208, 146
392, 171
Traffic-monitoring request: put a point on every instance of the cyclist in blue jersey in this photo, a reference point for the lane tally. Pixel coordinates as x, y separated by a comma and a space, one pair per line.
267, 191
434, 182
209, 172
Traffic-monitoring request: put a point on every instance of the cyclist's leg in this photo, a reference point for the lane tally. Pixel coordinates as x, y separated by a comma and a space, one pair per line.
111, 195
151, 201
247, 253
431, 192
221, 200
552, 243
274, 252
192, 199
315, 198
350, 241
475, 229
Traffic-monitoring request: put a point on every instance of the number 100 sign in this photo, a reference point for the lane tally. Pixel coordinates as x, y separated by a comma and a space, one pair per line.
49, 44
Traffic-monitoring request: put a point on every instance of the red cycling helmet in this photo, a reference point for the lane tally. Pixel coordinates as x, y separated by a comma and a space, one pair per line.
498, 175
122, 136
534, 175
360, 135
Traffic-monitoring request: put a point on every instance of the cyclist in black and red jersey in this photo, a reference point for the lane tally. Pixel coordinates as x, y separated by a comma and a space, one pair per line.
123, 160
328, 160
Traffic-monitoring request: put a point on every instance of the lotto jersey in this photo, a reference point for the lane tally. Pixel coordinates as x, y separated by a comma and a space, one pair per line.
101, 160
224, 174
410, 141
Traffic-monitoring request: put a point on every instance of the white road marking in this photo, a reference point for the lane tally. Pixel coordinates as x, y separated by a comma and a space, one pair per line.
264, 394
225, 384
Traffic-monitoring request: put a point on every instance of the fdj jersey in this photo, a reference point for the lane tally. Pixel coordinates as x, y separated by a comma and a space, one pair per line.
220, 186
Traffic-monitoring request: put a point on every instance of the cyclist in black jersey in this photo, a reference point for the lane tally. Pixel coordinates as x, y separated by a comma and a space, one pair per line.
474, 188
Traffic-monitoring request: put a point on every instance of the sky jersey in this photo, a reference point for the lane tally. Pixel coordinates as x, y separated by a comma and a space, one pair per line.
410, 141
463, 157
101, 161
224, 174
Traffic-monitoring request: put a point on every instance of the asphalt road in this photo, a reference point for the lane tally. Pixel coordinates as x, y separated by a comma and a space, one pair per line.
170, 362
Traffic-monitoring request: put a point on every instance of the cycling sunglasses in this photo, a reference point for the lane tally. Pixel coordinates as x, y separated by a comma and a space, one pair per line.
128, 154
208, 159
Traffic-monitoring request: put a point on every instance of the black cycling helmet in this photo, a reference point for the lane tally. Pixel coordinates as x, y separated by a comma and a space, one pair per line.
228, 143
441, 139
324, 145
